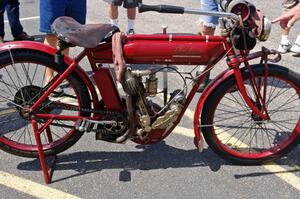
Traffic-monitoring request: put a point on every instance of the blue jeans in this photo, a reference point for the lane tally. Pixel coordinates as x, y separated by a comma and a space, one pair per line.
210, 5
12, 10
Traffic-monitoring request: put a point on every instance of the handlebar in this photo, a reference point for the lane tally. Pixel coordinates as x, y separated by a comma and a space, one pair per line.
161, 8
181, 10
238, 17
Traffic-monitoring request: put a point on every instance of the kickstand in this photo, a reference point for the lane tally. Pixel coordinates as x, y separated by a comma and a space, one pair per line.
37, 133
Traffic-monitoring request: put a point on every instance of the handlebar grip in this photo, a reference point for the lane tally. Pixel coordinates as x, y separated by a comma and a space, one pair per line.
161, 8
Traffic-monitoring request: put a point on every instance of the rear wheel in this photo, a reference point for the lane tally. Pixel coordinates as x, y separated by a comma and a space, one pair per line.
237, 134
22, 81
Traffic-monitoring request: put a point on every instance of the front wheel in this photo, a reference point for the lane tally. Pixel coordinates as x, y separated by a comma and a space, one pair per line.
237, 134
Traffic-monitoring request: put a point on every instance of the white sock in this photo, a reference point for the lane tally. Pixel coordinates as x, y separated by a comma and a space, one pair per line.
284, 39
114, 22
130, 24
298, 40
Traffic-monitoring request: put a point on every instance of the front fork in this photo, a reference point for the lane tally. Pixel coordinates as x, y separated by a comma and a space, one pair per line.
258, 106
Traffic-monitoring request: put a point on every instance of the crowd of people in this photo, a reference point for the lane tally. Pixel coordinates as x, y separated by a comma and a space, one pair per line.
52, 9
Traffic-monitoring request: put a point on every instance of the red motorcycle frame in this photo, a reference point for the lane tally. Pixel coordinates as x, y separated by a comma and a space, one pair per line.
155, 49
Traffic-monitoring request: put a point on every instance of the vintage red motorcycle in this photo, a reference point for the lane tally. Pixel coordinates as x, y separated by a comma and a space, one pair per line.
248, 115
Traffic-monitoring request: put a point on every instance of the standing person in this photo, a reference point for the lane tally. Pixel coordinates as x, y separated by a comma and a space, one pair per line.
208, 26
285, 44
12, 10
52, 9
113, 13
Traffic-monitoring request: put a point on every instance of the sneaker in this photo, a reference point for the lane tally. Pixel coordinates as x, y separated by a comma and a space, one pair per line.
131, 31
23, 36
284, 48
1, 40
295, 48
203, 84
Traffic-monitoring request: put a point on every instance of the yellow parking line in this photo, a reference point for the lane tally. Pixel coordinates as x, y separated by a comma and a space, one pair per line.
7, 111
32, 188
290, 178
279, 171
184, 131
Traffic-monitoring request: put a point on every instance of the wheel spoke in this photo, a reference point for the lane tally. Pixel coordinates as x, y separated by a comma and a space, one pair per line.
8, 86
26, 73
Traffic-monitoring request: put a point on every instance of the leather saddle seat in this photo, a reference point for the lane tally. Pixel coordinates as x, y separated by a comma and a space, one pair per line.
88, 36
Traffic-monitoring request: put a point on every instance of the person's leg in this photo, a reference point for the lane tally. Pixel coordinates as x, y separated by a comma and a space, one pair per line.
13, 15
77, 10
2, 10
208, 23
296, 46
207, 27
131, 5
285, 44
131, 14
50, 40
49, 11
113, 11
113, 15
207, 30
12, 10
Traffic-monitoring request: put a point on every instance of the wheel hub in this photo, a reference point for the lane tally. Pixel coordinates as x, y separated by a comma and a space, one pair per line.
26, 97
256, 117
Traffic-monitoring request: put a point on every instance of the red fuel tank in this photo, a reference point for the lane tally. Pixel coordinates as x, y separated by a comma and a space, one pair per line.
173, 49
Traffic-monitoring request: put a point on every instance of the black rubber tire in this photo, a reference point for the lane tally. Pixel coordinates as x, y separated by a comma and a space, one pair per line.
209, 111
25, 55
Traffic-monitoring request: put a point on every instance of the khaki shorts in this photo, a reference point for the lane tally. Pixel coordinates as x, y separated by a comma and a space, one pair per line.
126, 3
288, 4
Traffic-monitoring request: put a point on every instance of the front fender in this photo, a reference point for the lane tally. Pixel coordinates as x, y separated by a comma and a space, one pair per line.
31, 45
209, 88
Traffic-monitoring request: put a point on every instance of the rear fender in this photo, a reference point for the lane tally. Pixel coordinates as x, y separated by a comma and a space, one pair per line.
18, 45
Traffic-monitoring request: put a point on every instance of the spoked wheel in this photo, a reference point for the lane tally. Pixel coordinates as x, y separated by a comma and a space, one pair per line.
22, 81
237, 134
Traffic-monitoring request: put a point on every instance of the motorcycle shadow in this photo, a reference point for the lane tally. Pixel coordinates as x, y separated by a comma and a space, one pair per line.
149, 157
156, 156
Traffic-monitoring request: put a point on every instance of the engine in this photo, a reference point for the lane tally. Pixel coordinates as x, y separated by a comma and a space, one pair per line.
143, 86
